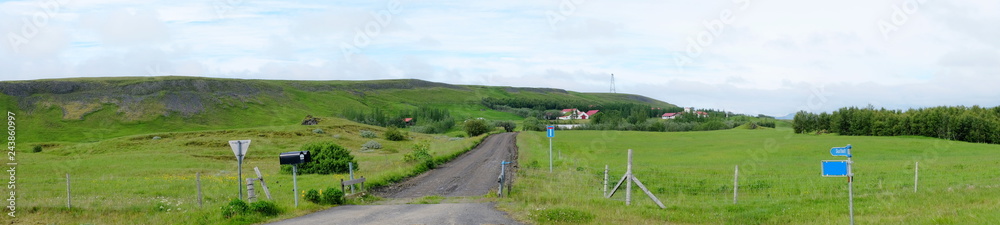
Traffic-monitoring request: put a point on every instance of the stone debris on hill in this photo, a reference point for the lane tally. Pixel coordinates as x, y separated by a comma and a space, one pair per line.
310, 120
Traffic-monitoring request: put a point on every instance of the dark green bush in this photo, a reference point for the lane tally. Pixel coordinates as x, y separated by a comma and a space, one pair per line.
394, 134
507, 125
236, 207
313, 196
327, 158
333, 196
475, 127
265, 208
37, 148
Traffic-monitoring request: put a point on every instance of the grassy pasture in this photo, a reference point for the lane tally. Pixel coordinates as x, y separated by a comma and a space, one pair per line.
139, 180
779, 180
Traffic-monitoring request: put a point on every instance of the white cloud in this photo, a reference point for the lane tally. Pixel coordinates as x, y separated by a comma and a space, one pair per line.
767, 57
127, 26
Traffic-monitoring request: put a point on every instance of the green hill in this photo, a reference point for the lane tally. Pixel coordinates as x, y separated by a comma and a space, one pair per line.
93, 109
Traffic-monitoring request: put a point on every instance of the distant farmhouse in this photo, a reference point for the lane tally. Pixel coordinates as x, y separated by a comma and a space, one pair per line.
668, 116
576, 114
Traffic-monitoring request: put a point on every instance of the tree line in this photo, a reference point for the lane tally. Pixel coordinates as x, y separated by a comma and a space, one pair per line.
425, 119
970, 124
620, 115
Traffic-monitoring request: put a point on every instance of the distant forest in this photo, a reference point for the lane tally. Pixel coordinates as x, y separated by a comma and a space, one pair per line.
970, 124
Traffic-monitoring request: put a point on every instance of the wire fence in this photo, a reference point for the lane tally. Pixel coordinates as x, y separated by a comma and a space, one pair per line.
691, 185
166, 193
713, 186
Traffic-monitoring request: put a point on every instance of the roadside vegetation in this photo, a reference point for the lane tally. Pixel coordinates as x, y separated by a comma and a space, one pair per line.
151, 178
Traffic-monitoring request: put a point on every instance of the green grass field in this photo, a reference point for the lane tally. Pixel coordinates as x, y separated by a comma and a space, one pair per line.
139, 180
780, 183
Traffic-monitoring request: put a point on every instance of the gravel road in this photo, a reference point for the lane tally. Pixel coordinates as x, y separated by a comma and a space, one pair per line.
472, 174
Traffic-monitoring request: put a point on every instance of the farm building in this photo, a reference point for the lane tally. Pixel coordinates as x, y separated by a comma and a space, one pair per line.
576, 114
668, 116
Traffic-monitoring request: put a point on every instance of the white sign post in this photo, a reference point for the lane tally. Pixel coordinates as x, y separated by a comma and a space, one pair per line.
240, 149
550, 132
841, 168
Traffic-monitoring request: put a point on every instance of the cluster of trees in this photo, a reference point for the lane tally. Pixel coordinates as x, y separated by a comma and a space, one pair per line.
673, 125
620, 116
476, 127
427, 119
628, 117
546, 109
971, 124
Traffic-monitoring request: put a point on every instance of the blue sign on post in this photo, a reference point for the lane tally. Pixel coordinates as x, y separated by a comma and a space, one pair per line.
835, 168
551, 130
841, 151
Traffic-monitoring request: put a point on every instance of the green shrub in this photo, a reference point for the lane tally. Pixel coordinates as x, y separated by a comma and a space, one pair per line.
421, 152
312, 196
507, 125
368, 134
532, 124
327, 158
236, 207
37, 148
372, 144
475, 127
563, 215
394, 134
265, 208
333, 196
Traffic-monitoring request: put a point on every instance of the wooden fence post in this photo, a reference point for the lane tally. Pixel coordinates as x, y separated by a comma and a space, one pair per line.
69, 196
916, 175
251, 194
605, 180
198, 180
736, 183
628, 180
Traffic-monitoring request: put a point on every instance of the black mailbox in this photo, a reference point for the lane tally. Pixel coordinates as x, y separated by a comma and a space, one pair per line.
294, 157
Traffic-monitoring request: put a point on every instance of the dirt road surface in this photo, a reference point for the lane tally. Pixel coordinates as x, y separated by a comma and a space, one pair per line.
474, 173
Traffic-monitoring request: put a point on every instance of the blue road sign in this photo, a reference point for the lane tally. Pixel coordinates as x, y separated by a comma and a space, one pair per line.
841, 151
834, 168
551, 130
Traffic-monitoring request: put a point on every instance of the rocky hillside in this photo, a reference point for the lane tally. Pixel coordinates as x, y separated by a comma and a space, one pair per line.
90, 109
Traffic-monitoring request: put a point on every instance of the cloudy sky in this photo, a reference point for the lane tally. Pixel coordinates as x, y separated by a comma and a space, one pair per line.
748, 56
